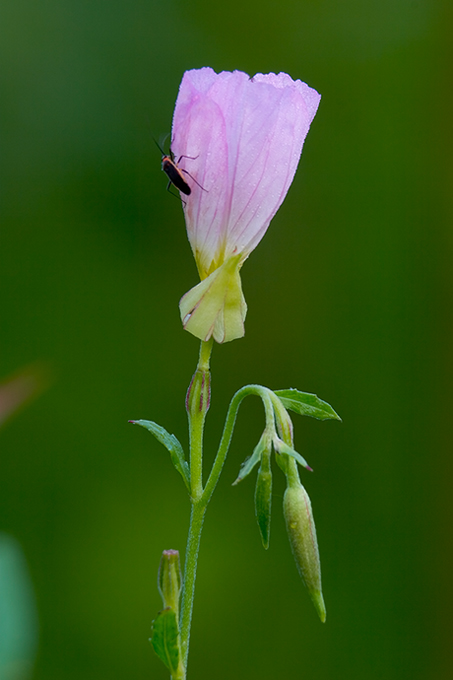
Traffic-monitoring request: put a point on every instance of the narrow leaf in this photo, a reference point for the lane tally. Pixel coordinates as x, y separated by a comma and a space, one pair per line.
307, 404
263, 500
284, 448
171, 444
165, 640
250, 462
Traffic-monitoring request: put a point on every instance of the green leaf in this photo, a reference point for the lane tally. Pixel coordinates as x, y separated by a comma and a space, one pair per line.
165, 640
263, 500
171, 444
284, 448
250, 462
307, 404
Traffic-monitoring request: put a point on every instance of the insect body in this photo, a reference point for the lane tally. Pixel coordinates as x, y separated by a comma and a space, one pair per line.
174, 174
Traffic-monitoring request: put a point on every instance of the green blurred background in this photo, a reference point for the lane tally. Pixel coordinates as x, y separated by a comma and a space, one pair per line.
349, 296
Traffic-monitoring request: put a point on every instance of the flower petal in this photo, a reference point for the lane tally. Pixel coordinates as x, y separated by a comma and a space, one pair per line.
244, 137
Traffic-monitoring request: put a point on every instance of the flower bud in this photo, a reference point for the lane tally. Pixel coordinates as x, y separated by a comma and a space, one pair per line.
302, 536
169, 580
199, 393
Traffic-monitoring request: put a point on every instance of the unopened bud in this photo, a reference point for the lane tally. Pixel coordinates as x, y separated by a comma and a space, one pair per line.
169, 580
302, 536
199, 393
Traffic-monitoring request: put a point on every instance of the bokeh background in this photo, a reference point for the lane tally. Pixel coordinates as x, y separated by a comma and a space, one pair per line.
349, 296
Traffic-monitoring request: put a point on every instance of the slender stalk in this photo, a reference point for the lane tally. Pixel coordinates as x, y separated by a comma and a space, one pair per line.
190, 573
224, 445
197, 404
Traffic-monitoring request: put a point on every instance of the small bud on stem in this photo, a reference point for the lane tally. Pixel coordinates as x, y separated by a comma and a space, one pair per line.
199, 393
169, 580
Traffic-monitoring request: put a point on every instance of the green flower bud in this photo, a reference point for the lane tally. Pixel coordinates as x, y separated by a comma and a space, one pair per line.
263, 498
302, 536
199, 393
169, 580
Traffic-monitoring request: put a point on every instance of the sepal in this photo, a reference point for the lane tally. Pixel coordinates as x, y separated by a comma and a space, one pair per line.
307, 404
216, 307
171, 444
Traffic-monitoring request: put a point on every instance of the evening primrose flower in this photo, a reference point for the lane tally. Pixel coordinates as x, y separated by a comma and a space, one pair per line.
239, 140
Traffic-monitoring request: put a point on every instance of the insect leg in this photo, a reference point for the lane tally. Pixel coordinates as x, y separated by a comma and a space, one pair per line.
191, 158
169, 185
192, 177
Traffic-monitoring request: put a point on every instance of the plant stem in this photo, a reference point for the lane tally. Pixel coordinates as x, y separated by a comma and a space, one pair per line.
190, 573
197, 404
224, 445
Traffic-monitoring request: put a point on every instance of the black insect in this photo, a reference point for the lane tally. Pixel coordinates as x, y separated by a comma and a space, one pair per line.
174, 173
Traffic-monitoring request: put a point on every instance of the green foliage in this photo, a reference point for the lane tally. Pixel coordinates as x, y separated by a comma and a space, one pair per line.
250, 462
306, 404
263, 499
165, 641
285, 449
171, 444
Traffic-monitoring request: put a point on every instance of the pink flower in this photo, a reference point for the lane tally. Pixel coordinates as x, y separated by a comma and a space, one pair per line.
240, 140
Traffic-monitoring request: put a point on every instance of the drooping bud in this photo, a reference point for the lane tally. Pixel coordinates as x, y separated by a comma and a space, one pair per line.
302, 536
263, 498
169, 580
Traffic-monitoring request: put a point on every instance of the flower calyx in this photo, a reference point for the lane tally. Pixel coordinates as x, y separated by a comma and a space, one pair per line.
216, 307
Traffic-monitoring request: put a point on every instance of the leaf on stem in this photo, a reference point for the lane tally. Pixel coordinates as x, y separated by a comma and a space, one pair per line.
171, 444
165, 640
250, 462
281, 447
263, 500
307, 404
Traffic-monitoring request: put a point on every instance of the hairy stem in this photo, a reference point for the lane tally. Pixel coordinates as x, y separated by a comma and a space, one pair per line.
224, 445
190, 573
197, 405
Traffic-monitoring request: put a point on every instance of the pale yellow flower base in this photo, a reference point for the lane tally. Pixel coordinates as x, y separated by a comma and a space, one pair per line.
216, 307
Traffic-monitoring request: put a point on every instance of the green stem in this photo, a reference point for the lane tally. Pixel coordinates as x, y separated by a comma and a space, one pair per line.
224, 445
197, 404
197, 407
292, 473
190, 573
